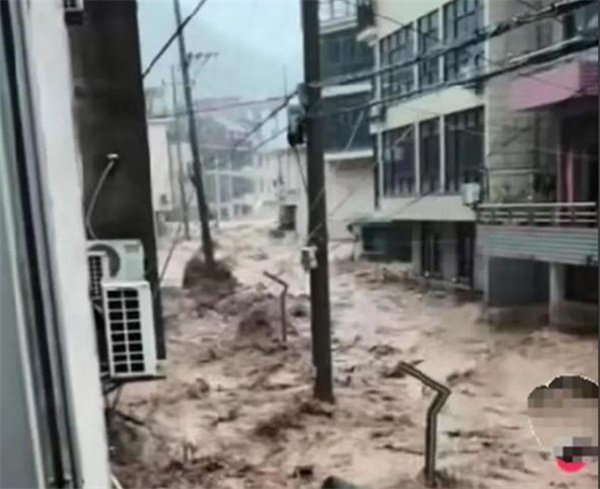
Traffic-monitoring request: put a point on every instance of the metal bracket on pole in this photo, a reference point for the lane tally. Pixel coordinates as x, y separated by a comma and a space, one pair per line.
282, 299
431, 430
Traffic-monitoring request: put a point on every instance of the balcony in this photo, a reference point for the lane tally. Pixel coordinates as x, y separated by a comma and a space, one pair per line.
564, 233
571, 214
365, 14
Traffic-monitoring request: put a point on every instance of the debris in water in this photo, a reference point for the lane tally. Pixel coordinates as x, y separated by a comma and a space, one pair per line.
304, 471
198, 389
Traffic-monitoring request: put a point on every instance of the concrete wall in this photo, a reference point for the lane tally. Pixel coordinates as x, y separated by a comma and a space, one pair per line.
60, 160
162, 166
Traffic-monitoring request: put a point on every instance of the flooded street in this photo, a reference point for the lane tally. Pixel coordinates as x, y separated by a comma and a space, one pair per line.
235, 408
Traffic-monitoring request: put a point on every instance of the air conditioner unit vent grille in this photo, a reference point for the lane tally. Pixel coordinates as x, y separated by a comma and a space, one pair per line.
96, 272
126, 346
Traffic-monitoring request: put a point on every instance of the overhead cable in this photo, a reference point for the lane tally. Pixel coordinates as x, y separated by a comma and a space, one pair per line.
174, 36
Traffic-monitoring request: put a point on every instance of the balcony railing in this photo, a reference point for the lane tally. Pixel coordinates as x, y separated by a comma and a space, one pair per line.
567, 214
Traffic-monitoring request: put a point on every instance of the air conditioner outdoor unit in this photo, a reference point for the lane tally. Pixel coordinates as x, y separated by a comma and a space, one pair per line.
471, 193
74, 10
125, 258
129, 328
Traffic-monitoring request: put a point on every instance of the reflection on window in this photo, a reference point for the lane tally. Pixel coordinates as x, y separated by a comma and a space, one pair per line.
397, 48
429, 141
462, 20
342, 54
346, 121
429, 38
581, 21
399, 161
464, 148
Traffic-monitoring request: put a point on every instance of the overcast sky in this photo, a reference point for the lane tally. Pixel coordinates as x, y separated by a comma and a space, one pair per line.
256, 40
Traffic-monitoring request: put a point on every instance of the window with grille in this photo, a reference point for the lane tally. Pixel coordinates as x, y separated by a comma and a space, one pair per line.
398, 162
429, 141
429, 39
465, 146
345, 127
462, 21
395, 49
343, 54
124, 330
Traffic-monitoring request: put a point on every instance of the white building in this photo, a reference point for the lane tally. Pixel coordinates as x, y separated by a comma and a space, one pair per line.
163, 172
349, 151
430, 139
280, 178
52, 422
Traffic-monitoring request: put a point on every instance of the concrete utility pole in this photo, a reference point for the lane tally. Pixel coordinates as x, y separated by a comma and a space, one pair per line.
180, 172
207, 244
317, 217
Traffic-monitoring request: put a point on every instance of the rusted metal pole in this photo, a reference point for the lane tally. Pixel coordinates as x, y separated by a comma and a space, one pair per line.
431, 430
282, 301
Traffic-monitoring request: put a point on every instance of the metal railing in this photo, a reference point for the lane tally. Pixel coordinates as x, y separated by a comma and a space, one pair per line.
568, 214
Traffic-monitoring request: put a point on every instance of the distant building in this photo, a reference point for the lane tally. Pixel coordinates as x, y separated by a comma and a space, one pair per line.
280, 178
163, 171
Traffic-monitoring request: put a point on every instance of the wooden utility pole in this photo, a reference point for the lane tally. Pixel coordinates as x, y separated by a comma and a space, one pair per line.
180, 171
317, 216
207, 244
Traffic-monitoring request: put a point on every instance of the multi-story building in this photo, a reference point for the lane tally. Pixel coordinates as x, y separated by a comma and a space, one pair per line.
226, 155
538, 227
349, 153
430, 135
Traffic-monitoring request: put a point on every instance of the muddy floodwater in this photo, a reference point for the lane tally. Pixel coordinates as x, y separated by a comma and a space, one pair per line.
235, 409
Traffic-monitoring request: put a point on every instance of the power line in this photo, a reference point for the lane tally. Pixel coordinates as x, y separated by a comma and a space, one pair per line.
269, 139
553, 52
488, 33
552, 10
270, 116
530, 6
174, 36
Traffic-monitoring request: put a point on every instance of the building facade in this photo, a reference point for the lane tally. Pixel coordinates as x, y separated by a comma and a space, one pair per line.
348, 147
538, 226
430, 136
